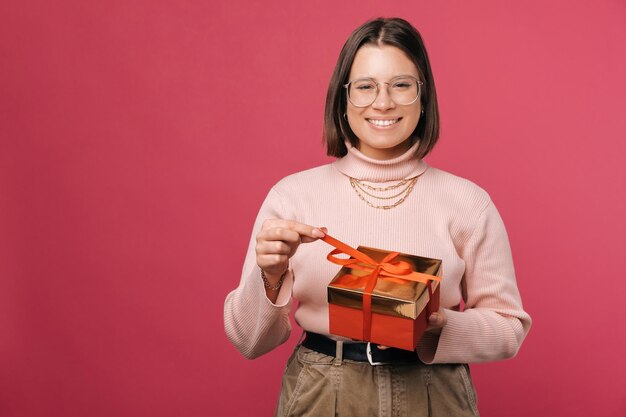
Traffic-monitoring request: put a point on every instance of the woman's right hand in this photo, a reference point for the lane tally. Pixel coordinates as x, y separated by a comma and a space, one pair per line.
277, 241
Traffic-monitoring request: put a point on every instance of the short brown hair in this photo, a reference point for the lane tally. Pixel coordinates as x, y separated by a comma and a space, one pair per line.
382, 31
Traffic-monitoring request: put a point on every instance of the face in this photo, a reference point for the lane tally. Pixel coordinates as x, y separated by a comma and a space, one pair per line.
383, 127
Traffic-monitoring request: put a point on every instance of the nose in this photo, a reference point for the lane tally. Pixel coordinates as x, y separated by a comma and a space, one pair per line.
383, 99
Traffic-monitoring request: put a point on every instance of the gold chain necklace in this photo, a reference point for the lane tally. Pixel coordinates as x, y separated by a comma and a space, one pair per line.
361, 190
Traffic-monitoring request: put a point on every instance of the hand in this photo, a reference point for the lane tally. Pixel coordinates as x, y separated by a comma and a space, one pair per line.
277, 241
436, 321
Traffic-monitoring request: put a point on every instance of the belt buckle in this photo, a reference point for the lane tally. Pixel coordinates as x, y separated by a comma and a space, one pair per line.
368, 353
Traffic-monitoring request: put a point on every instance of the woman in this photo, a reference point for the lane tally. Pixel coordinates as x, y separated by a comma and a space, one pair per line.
381, 119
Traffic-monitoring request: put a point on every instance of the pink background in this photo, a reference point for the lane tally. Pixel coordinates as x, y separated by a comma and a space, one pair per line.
138, 139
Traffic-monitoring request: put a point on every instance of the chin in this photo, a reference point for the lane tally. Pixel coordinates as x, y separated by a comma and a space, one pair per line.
386, 143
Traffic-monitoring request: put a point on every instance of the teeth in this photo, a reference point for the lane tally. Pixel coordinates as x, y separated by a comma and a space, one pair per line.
382, 122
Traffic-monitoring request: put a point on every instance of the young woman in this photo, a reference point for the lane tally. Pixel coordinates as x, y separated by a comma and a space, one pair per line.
381, 120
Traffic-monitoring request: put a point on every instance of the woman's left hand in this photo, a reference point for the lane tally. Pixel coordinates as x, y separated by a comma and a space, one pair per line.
436, 321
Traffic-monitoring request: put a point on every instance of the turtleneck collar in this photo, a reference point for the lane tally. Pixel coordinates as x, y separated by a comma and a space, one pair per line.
357, 165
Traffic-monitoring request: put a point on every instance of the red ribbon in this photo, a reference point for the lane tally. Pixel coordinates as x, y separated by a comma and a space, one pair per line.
398, 271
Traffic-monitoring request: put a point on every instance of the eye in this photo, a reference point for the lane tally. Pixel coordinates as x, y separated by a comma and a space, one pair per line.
365, 86
403, 84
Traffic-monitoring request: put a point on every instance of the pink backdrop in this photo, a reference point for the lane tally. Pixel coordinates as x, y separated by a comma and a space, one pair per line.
138, 139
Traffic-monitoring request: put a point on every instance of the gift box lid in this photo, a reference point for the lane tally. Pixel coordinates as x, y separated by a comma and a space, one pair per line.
391, 296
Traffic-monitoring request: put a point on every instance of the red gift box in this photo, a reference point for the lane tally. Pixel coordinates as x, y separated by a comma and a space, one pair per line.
380, 296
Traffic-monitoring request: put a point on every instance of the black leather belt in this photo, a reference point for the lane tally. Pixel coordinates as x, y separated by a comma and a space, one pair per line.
358, 351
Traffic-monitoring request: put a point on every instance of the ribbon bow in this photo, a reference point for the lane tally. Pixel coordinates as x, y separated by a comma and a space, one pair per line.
398, 271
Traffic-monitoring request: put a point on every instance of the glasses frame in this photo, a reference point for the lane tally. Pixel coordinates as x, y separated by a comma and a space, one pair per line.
419, 89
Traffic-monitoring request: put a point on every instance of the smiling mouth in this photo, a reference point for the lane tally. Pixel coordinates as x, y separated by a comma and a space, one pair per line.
383, 122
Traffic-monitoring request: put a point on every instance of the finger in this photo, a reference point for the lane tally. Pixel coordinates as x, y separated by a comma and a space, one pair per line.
437, 320
307, 232
290, 237
311, 233
271, 262
382, 347
273, 246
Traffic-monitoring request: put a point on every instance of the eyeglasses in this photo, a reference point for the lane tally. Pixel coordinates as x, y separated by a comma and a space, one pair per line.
403, 90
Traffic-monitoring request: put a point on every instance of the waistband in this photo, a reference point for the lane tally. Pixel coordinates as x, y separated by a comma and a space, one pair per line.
359, 351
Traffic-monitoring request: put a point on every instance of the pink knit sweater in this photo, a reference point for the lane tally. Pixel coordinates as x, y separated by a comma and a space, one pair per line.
445, 217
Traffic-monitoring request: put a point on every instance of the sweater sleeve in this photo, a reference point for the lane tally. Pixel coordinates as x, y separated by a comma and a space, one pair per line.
254, 324
493, 323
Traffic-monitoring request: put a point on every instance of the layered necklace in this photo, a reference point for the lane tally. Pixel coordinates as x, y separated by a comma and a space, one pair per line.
381, 197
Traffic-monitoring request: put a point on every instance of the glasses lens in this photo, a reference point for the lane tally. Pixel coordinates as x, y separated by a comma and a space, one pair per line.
362, 92
404, 90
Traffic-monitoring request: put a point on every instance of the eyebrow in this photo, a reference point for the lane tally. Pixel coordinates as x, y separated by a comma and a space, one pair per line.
392, 78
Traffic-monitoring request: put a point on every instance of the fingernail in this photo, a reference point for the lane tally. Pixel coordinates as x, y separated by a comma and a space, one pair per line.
323, 229
317, 233
434, 318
